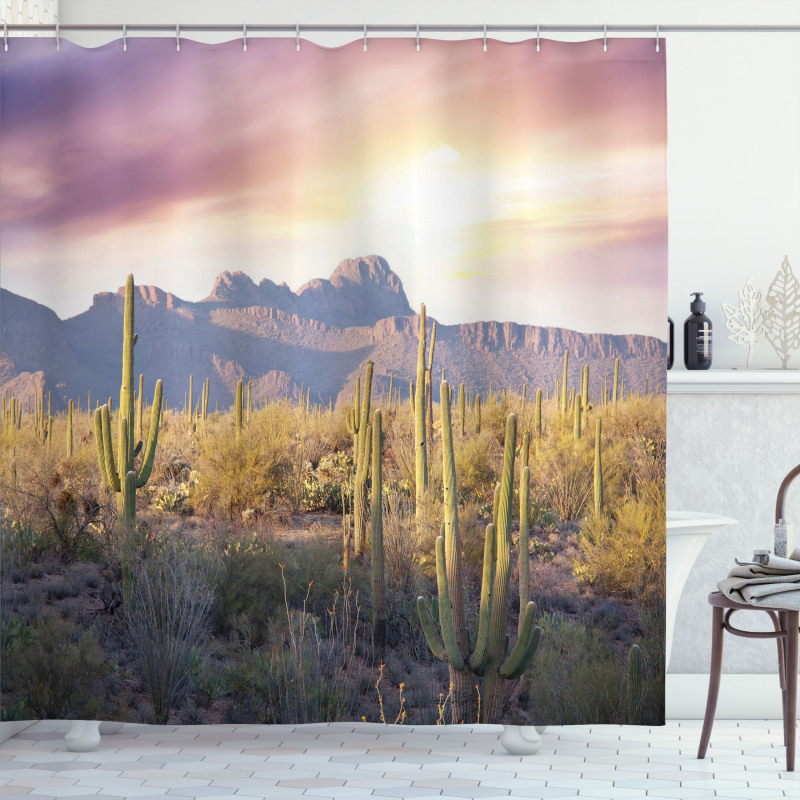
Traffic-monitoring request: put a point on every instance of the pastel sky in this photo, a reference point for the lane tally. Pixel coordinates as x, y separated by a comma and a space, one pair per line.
508, 185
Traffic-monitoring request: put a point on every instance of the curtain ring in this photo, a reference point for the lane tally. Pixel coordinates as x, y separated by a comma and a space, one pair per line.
605, 38
244, 37
658, 40
178, 37
538, 44
58, 35
418, 37
5, 36
484, 37
365, 37
297, 36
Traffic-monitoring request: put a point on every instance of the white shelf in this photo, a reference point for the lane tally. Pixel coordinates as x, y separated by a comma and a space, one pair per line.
734, 381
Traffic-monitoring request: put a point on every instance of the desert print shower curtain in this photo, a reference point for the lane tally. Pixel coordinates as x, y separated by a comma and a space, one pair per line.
333, 381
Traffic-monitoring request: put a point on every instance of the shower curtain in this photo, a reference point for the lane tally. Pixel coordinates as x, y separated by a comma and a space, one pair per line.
333, 381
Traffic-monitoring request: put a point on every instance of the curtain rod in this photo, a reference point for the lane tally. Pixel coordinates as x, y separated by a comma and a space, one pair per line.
410, 29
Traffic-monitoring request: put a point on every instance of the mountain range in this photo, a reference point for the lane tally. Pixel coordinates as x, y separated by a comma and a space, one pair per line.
318, 337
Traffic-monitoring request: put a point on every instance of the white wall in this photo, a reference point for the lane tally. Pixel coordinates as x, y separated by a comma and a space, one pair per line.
734, 212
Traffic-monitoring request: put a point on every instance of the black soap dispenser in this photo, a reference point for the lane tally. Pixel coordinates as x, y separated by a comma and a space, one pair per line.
697, 336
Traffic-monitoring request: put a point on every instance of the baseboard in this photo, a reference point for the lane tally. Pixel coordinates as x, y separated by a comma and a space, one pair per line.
751, 696
9, 729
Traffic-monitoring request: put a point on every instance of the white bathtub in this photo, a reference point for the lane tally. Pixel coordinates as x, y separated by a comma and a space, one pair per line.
687, 532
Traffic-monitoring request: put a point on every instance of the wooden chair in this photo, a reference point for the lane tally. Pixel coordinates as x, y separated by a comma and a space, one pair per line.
785, 624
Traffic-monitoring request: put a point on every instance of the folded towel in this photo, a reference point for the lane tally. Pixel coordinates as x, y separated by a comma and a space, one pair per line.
775, 584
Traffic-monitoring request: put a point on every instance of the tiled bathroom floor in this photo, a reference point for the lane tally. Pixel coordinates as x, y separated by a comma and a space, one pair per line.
745, 760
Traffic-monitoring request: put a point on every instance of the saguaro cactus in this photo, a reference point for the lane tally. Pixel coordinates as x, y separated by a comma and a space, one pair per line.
616, 380
120, 475
376, 538
576, 424
462, 408
484, 653
477, 413
420, 444
635, 690
564, 389
358, 425
598, 467
524, 530
537, 420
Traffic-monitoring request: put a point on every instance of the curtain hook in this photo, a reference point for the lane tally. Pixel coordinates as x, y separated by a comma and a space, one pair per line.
244, 37
365, 37
178, 37
58, 35
538, 45
658, 40
297, 36
5, 36
418, 37
484, 37
605, 38
124, 37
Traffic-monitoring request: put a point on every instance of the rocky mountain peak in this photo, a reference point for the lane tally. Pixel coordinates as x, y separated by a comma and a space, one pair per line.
235, 288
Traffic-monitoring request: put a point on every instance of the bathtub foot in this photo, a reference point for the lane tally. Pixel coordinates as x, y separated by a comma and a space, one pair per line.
520, 740
83, 736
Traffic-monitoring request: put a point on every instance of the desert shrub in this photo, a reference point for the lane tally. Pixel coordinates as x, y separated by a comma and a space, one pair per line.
175, 499
325, 487
59, 503
313, 573
175, 469
308, 674
57, 669
248, 474
247, 590
475, 465
562, 475
625, 552
576, 678
403, 547
166, 622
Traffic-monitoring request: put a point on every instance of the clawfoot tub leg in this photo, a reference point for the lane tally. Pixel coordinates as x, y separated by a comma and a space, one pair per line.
521, 740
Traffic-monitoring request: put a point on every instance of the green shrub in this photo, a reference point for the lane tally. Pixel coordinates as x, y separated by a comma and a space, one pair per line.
57, 670
577, 678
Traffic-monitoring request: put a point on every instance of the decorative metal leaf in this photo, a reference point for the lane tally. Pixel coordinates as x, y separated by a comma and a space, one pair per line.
783, 326
747, 323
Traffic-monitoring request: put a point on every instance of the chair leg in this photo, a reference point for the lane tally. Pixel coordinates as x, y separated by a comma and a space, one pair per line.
717, 631
782, 625
790, 717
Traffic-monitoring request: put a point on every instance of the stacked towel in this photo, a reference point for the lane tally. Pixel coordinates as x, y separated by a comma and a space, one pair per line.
775, 584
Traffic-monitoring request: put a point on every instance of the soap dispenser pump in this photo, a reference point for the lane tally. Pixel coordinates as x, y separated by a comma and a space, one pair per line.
697, 336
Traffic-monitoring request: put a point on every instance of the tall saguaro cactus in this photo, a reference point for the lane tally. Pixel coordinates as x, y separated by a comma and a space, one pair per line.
358, 425
564, 390
616, 380
420, 444
120, 474
484, 653
376, 538
598, 467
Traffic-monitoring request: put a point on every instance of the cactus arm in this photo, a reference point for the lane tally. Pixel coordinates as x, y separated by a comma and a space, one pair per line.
445, 609
152, 439
437, 648
478, 656
108, 452
138, 448
511, 666
101, 453
516, 668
